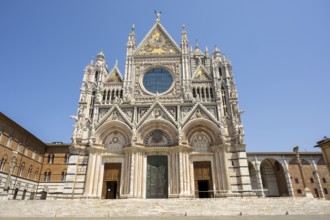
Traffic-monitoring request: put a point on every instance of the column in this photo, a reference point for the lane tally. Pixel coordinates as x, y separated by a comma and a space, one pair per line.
288, 177
226, 181
244, 171
89, 176
258, 177
180, 166
318, 180
217, 175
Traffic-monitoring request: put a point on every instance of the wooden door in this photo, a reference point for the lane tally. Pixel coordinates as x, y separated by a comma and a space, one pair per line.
111, 181
203, 179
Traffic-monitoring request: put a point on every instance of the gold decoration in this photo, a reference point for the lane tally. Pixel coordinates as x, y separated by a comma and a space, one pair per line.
201, 75
157, 44
114, 77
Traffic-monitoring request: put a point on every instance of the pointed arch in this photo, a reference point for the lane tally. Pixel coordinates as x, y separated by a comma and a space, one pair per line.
165, 126
204, 126
110, 129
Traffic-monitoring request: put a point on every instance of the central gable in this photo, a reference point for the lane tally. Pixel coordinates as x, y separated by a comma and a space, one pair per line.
157, 42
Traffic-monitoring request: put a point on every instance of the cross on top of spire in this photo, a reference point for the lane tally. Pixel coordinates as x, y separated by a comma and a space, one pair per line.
158, 13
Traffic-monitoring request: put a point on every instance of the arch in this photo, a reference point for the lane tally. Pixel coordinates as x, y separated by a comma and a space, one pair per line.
202, 125
157, 138
253, 175
273, 178
113, 126
165, 126
200, 141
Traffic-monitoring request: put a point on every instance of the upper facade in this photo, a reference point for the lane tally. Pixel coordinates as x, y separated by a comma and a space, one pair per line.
163, 81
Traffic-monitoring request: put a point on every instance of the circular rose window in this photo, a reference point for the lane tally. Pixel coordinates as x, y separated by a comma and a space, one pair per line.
157, 80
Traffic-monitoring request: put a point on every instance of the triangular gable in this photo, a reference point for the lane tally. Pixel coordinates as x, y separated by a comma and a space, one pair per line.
157, 110
201, 74
114, 114
114, 76
199, 111
157, 42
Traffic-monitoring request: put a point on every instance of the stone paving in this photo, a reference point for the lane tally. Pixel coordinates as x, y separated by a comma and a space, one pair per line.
164, 207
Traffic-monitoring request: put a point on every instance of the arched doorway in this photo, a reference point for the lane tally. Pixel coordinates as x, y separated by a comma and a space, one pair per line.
273, 178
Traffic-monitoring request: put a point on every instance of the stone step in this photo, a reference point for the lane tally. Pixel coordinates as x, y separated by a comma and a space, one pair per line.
163, 207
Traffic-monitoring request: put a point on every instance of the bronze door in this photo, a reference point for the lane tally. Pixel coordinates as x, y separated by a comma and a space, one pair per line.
157, 177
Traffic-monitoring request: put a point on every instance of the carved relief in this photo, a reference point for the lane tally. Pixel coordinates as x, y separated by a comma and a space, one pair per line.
114, 142
185, 111
200, 142
128, 113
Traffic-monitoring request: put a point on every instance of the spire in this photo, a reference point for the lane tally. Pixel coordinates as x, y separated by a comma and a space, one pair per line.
184, 38
131, 37
100, 56
207, 53
197, 51
116, 63
216, 52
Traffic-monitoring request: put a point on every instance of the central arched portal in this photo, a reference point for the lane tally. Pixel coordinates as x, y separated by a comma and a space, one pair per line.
157, 177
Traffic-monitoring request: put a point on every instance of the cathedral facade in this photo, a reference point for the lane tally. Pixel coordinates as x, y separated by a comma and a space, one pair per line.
169, 128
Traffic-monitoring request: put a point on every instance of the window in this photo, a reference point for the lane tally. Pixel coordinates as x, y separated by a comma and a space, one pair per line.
232, 163
29, 172
299, 191
324, 180
63, 176
296, 180
3, 162
21, 168
66, 158
312, 180
220, 72
325, 191
36, 174
224, 102
96, 76
157, 80
51, 158
316, 193
47, 176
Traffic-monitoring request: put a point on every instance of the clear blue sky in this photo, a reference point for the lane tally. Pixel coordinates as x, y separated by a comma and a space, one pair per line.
279, 51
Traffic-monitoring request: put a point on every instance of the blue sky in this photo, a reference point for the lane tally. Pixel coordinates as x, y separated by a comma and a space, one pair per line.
279, 51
